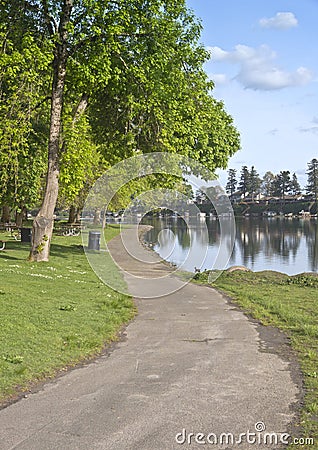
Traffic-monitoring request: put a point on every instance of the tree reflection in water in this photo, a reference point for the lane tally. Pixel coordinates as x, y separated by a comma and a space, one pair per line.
288, 245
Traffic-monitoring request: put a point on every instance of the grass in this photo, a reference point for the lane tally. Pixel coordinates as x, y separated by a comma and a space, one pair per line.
290, 304
55, 314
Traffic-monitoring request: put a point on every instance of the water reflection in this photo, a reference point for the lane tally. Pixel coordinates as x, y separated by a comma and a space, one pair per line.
285, 245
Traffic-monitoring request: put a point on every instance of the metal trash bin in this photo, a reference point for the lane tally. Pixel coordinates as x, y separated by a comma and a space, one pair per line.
94, 240
26, 234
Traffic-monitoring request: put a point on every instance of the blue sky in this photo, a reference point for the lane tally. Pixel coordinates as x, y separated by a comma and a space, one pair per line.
264, 62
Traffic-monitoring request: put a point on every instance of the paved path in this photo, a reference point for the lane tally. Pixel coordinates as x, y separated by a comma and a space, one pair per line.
190, 361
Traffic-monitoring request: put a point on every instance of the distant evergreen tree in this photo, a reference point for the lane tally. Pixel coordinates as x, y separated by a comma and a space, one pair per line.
295, 188
267, 186
282, 184
244, 181
231, 183
312, 180
200, 197
254, 183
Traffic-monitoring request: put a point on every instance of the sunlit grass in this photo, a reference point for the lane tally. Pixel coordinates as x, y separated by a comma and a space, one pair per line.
53, 314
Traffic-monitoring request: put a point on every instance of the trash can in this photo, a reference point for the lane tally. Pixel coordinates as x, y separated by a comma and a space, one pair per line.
94, 240
26, 234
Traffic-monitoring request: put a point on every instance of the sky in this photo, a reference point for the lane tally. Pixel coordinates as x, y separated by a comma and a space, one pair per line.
264, 63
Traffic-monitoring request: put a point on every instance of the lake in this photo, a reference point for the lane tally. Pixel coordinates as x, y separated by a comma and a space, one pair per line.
288, 245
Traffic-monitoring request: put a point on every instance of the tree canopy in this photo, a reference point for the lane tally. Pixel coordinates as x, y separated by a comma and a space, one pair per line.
106, 79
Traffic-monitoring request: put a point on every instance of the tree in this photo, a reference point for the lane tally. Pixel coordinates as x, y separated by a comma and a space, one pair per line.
295, 188
80, 165
267, 186
282, 184
232, 182
254, 183
77, 33
146, 63
312, 180
244, 181
23, 114
163, 103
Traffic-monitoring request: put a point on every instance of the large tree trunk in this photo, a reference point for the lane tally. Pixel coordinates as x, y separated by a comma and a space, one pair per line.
6, 214
20, 216
43, 223
96, 220
72, 215
78, 215
104, 223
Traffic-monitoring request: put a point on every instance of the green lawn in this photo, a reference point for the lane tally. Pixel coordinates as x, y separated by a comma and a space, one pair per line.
288, 303
53, 314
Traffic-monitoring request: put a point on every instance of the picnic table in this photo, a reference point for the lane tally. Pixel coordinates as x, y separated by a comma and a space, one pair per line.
68, 229
8, 226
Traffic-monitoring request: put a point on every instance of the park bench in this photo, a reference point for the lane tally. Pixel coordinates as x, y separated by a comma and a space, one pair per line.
72, 231
12, 228
69, 230
8, 226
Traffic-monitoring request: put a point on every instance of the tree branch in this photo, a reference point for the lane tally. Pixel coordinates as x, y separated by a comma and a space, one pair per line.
92, 39
41, 102
80, 108
49, 20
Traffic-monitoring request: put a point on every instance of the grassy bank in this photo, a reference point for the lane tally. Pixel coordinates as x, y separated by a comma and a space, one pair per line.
55, 314
288, 303
289, 207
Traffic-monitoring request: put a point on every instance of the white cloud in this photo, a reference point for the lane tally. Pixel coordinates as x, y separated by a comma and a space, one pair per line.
258, 70
272, 78
218, 78
282, 21
313, 130
240, 54
315, 120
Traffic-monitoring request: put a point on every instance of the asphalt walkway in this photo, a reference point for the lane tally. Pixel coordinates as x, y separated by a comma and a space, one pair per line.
190, 363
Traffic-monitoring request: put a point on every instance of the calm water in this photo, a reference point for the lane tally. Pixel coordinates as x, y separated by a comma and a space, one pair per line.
286, 245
